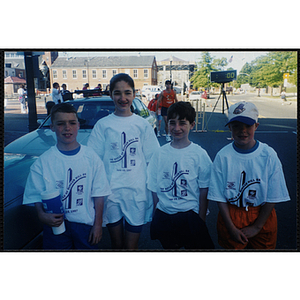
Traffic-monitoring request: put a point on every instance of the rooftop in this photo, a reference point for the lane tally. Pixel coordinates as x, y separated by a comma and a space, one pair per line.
101, 61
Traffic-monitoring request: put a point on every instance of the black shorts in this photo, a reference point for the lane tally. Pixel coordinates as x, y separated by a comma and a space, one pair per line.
183, 229
164, 111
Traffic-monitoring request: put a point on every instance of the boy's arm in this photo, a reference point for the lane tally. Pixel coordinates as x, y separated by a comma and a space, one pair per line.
155, 201
235, 233
256, 227
203, 203
176, 100
52, 220
96, 231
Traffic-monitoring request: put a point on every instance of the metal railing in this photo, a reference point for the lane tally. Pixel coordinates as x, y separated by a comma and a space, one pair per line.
200, 114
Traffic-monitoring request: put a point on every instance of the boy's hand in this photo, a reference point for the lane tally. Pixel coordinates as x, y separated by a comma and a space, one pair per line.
52, 220
95, 235
250, 231
238, 236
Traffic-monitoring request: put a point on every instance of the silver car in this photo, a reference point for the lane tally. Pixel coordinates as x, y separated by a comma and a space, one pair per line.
22, 229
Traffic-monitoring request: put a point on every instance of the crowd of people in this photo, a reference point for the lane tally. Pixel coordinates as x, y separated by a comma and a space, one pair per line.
124, 179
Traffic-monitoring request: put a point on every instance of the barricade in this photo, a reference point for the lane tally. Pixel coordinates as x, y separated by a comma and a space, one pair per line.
200, 115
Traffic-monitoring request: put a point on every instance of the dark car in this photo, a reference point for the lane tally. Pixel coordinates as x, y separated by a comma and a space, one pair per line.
22, 229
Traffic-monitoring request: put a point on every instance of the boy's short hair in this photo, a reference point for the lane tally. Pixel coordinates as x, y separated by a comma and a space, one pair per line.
245, 112
63, 107
182, 110
55, 84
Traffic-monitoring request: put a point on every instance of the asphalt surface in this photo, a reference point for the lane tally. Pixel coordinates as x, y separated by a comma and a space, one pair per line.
278, 128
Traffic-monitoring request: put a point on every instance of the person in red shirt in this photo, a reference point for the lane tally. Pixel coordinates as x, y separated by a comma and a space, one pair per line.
166, 98
152, 106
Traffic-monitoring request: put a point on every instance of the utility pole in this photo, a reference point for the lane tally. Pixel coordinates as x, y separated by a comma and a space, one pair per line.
32, 114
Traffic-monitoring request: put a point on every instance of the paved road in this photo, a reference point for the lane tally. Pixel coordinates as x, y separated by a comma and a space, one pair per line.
278, 128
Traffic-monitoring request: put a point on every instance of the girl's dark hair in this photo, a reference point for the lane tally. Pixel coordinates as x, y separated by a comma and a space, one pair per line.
182, 110
121, 77
63, 107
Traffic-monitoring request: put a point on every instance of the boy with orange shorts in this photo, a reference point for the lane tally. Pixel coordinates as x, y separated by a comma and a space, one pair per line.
247, 181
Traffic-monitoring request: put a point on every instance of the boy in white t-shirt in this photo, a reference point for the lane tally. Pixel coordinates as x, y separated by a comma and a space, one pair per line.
178, 176
79, 174
247, 181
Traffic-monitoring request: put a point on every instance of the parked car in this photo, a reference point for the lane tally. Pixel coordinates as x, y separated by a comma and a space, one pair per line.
22, 229
149, 91
195, 95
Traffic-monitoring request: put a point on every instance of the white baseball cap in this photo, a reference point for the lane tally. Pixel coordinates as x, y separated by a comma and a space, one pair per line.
245, 112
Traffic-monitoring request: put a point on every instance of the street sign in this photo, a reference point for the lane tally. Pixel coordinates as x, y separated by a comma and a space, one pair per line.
286, 75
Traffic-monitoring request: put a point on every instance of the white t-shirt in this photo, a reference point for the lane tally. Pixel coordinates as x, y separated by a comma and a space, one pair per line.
79, 177
250, 179
176, 175
56, 96
125, 144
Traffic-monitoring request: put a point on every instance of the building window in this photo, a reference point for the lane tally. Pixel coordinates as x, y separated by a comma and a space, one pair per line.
114, 72
146, 75
94, 74
64, 74
83, 73
104, 75
74, 72
54, 74
135, 73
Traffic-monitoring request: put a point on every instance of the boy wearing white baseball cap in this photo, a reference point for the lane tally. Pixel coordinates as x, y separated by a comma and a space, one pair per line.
247, 181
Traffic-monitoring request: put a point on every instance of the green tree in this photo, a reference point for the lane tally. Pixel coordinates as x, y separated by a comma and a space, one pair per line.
268, 70
205, 66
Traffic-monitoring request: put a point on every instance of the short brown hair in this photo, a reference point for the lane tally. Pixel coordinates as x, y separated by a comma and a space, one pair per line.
63, 107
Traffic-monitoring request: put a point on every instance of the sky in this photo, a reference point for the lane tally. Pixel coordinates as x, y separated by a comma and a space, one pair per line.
238, 60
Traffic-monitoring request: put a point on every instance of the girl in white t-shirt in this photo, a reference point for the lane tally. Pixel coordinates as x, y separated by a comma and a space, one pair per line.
125, 142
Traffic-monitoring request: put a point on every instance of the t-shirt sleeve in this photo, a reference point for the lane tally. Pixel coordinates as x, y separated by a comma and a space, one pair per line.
35, 185
100, 185
216, 184
152, 173
96, 140
204, 170
277, 190
150, 142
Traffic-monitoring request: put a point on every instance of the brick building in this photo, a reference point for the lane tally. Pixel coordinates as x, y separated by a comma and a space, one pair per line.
77, 71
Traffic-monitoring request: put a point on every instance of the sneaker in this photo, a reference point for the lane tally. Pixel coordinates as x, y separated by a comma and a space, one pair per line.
168, 138
158, 134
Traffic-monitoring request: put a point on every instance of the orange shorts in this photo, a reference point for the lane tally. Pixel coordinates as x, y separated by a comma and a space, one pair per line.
265, 239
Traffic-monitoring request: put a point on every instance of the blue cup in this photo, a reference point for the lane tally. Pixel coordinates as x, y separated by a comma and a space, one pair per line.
52, 204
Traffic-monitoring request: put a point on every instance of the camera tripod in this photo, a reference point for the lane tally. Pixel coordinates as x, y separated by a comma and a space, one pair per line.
224, 100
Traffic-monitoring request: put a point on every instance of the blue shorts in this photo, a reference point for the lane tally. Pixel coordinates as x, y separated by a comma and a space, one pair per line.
75, 237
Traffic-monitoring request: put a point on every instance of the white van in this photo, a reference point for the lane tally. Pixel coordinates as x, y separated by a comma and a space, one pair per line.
149, 91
